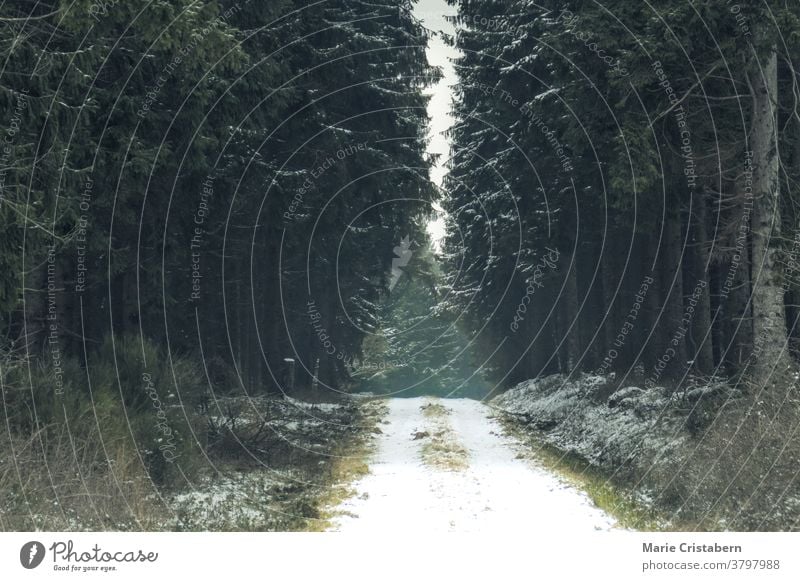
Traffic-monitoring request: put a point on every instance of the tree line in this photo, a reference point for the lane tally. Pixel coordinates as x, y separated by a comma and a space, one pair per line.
649, 155
197, 174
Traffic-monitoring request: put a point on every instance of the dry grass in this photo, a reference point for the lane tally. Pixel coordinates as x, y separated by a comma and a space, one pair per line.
434, 410
741, 473
609, 497
88, 460
349, 463
55, 480
441, 449
80, 463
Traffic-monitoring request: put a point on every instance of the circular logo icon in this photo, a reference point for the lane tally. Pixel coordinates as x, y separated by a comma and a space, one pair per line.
31, 554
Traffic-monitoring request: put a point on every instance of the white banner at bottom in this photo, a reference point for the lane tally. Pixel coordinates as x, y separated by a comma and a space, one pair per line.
521, 554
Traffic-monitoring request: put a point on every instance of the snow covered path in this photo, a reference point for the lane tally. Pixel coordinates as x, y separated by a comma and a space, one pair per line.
492, 492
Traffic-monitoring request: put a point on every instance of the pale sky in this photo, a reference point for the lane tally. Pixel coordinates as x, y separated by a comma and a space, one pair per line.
431, 13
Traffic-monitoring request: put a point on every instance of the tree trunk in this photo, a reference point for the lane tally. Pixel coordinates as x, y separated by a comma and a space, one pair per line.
652, 315
672, 325
34, 328
610, 281
701, 332
770, 359
585, 340
119, 313
569, 313
791, 275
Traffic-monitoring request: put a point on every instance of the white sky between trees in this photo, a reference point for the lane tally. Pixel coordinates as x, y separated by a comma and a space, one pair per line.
432, 14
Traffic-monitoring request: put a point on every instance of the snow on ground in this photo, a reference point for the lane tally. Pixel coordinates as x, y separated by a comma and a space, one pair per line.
236, 502
270, 461
496, 492
325, 407
606, 428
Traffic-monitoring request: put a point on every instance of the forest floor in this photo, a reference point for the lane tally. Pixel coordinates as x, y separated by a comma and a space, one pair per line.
306, 459
446, 465
266, 463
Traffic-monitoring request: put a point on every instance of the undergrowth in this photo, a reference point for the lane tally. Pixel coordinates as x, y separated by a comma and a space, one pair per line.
132, 446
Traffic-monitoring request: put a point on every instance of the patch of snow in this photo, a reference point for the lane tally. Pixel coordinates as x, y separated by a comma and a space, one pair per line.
326, 407
241, 502
629, 425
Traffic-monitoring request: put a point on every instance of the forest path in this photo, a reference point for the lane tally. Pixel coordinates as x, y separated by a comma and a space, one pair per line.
445, 465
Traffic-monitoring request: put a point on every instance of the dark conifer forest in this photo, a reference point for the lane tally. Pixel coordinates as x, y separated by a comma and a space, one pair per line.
216, 223
658, 157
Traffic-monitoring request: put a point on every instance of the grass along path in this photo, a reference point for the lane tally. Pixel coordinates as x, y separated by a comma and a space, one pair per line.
441, 448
